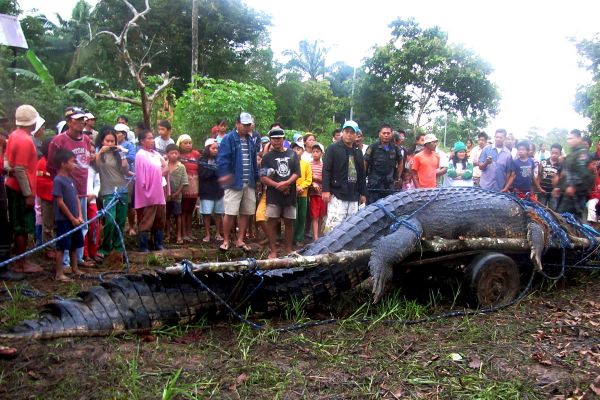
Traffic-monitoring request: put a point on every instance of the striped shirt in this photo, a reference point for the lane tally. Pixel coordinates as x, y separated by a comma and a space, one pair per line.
245, 160
317, 172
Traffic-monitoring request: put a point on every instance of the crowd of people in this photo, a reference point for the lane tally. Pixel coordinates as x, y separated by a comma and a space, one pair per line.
244, 185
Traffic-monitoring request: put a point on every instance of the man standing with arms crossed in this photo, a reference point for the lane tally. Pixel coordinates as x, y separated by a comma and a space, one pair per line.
238, 174
344, 182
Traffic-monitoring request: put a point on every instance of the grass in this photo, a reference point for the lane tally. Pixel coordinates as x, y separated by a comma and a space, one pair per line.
350, 359
17, 307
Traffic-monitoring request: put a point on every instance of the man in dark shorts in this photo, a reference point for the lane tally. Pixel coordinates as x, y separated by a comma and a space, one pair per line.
279, 171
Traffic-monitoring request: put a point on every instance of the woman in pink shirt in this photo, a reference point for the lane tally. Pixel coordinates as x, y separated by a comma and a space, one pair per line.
150, 168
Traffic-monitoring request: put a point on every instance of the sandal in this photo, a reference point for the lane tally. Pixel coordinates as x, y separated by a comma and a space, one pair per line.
206, 240
179, 241
219, 238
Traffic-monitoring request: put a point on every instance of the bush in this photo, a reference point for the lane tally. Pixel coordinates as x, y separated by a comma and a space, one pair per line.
208, 100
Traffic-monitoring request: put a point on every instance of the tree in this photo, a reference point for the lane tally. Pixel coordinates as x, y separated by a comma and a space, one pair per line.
208, 100
451, 129
309, 60
317, 106
136, 69
587, 99
425, 75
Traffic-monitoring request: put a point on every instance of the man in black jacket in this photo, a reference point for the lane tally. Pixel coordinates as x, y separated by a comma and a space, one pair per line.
344, 183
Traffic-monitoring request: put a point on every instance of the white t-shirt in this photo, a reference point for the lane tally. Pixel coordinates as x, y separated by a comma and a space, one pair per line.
161, 145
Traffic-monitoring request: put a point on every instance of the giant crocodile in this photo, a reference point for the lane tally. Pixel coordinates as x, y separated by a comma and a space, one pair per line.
137, 303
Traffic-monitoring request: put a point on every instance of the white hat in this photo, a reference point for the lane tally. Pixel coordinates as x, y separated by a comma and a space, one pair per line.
89, 115
121, 128
246, 118
320, 146
210, 142
38, 124
430, 137
26, 115
59, 126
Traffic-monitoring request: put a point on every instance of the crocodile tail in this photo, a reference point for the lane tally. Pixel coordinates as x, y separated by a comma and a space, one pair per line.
132, 303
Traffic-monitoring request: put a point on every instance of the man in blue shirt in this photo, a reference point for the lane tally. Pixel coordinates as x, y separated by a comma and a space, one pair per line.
494, 163
238, 174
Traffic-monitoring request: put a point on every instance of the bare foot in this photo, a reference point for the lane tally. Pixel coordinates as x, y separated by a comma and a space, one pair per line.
219, 238
288, 251
272, 255
62, 278
28, 268
206, 239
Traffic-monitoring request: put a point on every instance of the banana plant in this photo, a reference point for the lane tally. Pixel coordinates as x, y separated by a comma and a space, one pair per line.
41, 74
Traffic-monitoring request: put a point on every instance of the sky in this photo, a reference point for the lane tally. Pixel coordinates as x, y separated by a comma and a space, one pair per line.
527, 42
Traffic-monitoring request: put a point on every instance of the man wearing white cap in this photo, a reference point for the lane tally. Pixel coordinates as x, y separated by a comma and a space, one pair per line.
238, 174
88, 129
344, 181
426, 164
21, 156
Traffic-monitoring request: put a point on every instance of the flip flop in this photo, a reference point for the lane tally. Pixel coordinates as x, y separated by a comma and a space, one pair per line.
180, 241
224, 247
206, 240
243, 247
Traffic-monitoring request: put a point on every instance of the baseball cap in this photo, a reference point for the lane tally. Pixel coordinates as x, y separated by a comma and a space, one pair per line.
74, 113
246, 118
320, 146
89, 115
351, 124
276, 133
26, 115
430, 137
121, 128
209, 142
297, 144
264, 139
298, 138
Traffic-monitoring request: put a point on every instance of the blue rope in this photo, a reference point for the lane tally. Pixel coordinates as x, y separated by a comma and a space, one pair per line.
100, 214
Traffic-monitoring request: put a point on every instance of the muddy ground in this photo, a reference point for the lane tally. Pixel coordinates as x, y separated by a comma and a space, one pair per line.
547, 346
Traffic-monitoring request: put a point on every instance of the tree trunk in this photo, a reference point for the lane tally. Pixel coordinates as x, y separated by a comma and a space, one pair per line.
146, 107
194, 39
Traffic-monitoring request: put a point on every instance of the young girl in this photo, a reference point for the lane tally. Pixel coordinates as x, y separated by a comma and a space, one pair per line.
211, 193
407, 180
112, 165
189, 158
44, 192
460, 170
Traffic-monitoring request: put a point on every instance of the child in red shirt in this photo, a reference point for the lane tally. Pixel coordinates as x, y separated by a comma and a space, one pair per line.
44, 192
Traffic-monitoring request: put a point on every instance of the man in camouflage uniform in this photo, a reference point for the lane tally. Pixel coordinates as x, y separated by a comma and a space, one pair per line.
384, 162
576, 179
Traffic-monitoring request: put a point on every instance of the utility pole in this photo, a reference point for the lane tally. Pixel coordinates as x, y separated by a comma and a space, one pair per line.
194, 39
352, 96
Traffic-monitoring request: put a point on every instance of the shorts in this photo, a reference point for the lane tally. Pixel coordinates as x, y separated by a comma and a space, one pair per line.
71, 242
188, 204
275, 211
208, 207
22, 218
261, 210
240, 201
317, 207
174, 208
337, 211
